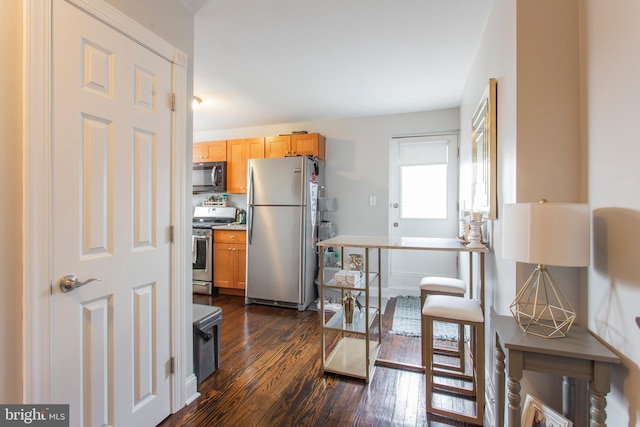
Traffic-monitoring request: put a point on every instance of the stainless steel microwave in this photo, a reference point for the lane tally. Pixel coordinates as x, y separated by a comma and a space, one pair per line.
210, 177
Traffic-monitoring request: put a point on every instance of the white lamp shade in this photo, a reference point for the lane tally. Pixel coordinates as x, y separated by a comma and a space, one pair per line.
547, 233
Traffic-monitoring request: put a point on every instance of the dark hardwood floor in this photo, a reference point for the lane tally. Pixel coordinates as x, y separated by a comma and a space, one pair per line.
270, 375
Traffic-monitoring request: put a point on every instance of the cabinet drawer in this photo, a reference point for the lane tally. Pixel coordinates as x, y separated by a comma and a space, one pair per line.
229, 236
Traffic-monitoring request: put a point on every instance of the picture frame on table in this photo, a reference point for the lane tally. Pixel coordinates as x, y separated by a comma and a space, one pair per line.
483, 153
537, 414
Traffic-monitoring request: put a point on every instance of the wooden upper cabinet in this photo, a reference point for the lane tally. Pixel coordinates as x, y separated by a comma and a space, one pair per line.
255, 148
311, 144
277, 146
210, 151
239, 151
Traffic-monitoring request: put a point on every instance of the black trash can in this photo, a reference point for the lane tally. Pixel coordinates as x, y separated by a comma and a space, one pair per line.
206, 340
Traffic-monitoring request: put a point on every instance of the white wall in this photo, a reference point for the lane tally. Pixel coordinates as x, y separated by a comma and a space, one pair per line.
11, 212
558, 126
496, 58
611, 66
532, 48
357, 160
169, 19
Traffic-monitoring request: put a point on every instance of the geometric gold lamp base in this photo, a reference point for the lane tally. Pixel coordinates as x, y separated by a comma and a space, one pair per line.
540, 308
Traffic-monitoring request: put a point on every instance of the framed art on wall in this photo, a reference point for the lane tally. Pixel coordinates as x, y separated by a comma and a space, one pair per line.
483, 153
537, 414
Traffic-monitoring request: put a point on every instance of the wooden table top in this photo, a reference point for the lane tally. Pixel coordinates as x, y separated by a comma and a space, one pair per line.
414, 243
578, 344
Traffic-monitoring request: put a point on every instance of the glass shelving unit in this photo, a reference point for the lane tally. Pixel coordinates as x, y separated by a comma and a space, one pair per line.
351, 348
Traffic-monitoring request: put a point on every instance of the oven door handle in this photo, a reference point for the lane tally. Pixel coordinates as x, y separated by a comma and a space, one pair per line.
194, 245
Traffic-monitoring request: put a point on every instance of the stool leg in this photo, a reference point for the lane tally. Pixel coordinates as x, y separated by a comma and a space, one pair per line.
479, 371
423, 328
461, 346
428, 350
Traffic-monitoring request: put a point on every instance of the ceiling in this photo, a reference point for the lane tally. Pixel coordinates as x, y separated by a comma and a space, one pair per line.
261, 62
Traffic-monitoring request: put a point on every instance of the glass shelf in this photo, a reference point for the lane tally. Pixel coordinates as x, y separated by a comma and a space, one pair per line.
346, 358
359, 320
361, 286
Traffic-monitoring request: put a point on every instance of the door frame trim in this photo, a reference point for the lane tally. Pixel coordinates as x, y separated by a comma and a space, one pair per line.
37, 282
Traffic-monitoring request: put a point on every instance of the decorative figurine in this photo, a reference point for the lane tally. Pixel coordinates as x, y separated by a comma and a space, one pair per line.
348, 303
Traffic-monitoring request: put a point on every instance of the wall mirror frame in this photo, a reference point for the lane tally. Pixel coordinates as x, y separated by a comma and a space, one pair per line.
483, 153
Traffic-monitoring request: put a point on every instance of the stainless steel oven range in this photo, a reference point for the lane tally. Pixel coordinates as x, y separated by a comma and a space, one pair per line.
202, 247
204, 218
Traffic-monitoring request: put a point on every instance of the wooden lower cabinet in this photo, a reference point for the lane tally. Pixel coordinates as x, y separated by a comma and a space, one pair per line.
229, 261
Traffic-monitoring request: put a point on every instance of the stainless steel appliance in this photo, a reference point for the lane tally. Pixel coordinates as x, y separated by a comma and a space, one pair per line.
202, 248
204, 218
281, 211
209, 177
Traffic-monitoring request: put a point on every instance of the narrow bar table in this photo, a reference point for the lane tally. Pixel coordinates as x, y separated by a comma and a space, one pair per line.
409, 243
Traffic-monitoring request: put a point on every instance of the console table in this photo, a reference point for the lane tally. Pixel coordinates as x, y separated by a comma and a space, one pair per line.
578, 355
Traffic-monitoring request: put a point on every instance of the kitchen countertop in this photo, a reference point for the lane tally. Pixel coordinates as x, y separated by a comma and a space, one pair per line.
242, 227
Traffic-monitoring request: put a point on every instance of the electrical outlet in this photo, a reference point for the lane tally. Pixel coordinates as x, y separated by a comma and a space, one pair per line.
372, 200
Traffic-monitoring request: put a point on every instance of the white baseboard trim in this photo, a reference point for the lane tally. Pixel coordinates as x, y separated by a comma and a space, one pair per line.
191, 389
394, 292
489, 403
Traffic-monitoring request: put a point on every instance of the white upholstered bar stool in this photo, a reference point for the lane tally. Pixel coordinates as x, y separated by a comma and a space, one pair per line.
434, 285
462, 311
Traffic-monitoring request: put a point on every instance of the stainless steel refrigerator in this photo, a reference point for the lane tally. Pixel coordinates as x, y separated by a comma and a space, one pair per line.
281, 217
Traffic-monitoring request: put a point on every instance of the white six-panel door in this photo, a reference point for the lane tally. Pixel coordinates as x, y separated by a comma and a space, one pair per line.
110, 346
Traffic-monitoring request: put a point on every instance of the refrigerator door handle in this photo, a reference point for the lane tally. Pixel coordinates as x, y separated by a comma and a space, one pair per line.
250, 195
250, 204
250, 231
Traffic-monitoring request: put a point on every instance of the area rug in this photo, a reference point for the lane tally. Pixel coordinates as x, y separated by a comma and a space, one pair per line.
406, 317
406, 321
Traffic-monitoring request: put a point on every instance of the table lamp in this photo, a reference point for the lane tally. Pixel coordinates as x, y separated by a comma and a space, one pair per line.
545, 234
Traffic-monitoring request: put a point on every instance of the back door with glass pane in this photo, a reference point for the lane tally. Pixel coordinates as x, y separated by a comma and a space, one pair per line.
423, 194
